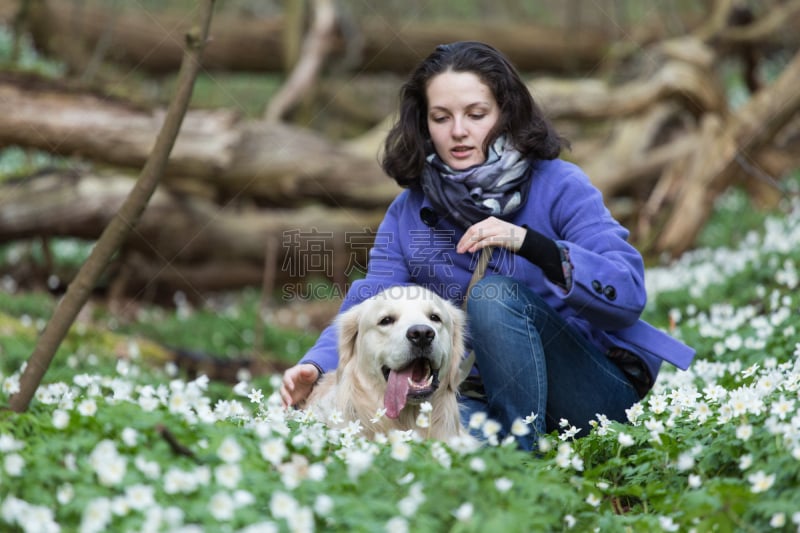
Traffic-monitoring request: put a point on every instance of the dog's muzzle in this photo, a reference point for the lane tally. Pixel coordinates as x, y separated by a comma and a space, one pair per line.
418, 380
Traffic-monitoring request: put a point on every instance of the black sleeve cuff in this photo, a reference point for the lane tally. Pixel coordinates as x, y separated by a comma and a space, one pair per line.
544, 253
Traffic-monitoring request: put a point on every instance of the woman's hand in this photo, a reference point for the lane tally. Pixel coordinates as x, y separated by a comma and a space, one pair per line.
297, 383
491, 232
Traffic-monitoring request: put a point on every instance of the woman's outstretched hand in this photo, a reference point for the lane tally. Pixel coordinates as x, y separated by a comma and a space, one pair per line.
297, 383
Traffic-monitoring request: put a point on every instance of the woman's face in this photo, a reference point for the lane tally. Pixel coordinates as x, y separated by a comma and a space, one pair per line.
461, 112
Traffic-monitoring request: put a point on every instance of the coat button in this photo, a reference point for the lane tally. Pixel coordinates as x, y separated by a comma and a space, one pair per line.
597, 286
428, 216
610, 292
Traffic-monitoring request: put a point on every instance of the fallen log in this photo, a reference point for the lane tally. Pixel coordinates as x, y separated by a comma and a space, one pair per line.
272, 163
72, 30
189, 241
639, 148
684, 72
246, 41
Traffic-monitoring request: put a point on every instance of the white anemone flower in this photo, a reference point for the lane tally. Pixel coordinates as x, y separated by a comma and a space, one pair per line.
96, 516
228, 475
87, 407
230, 451
14, 464
398, 524
464, 512
323, 505
625, 440
282, 505
503, 484
760, 481
221, 506
593, 500
274, 450
9, 444
60, 419
358, 462
778, 520
520, 428
140, 497
477, 464
401, 451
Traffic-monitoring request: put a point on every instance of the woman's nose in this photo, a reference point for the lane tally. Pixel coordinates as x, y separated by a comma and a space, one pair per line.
458, 130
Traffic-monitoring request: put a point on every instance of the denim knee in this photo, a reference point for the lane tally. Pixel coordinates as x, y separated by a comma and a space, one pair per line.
490, 295
496, 297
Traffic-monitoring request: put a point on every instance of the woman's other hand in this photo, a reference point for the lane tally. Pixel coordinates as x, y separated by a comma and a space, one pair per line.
491, 232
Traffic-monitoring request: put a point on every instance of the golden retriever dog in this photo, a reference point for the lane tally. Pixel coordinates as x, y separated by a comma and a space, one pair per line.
397, 350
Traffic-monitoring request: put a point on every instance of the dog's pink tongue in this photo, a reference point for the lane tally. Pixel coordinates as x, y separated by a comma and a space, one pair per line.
396, 390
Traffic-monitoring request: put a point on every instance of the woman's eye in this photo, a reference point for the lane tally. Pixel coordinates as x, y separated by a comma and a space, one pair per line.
435, 318
386, 321
476, 117
438, 120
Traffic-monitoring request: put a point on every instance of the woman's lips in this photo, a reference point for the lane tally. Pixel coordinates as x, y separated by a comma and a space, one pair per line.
461, 152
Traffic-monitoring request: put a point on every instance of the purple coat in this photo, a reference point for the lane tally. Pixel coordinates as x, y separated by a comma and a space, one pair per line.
415, 245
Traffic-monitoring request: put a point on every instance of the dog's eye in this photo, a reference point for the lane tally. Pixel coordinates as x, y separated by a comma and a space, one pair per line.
435, 318
386, 321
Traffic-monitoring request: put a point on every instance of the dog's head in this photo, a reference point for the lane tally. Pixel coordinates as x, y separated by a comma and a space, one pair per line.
406, 341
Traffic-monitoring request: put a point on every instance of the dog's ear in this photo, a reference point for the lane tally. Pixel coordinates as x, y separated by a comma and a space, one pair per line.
457, 349
347, 328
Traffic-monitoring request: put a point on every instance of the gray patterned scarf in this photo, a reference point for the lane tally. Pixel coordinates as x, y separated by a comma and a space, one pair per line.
498, 187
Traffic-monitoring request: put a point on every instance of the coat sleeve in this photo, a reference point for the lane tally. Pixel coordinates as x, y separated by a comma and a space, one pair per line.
607, 286
386, 268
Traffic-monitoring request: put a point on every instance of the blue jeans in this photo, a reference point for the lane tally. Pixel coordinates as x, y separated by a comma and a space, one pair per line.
531, 361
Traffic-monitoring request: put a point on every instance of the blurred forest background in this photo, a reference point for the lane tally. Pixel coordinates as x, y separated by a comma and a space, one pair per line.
274, 183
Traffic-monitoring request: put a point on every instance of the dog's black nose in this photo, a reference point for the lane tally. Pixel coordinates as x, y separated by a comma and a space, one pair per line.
420, 335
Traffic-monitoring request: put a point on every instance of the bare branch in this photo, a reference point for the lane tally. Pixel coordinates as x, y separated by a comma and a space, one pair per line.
316, 47
115, 233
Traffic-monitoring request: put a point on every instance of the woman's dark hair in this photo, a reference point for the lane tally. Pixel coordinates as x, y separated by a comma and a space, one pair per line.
526, 127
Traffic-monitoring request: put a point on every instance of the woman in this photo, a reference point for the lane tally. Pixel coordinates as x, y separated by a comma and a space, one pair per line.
554, 322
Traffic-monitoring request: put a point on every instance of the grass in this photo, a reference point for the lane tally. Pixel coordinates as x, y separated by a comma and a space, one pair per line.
224, 326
